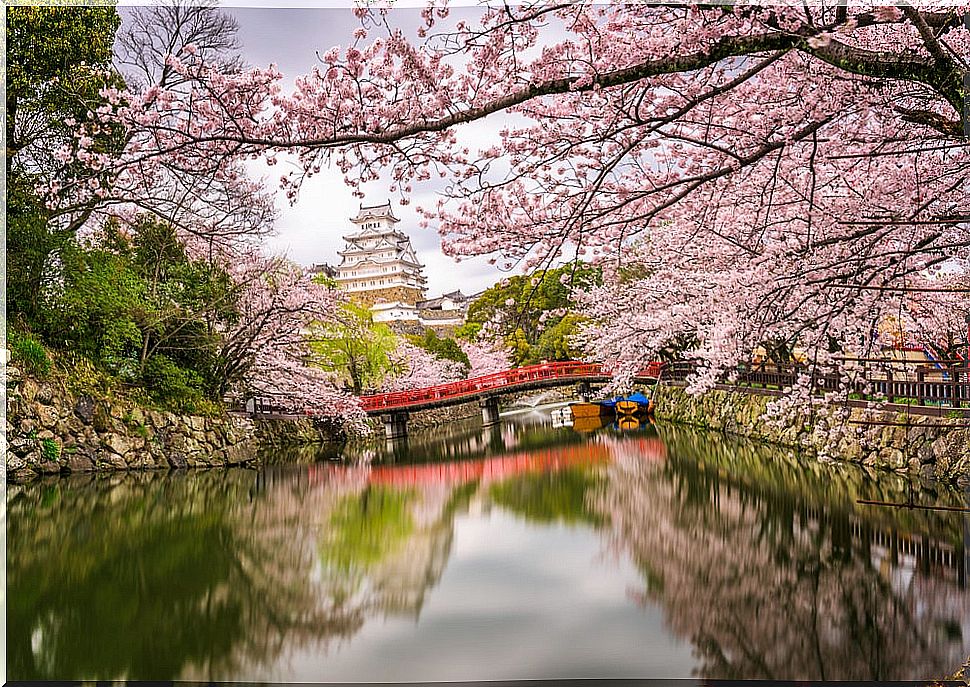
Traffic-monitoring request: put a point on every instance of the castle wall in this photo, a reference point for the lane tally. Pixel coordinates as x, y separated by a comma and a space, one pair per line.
403, 294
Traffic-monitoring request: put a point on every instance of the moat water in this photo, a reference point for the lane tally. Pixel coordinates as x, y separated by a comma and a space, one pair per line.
517, 551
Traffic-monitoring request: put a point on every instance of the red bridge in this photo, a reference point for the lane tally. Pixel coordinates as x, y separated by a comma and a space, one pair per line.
519, 379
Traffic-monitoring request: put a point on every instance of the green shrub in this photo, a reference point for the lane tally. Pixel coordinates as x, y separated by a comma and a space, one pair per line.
174, 386
49, 449
29, 353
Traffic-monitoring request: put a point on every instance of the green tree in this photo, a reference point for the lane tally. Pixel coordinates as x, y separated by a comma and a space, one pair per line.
554, 341
58, 59
30, 243
357, 349
441, 347
94, 311
187, 300
523, 309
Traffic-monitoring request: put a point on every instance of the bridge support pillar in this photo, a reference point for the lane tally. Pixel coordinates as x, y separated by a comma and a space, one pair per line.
489, 407
395, 425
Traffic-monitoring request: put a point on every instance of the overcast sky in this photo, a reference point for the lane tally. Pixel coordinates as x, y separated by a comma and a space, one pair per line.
310, 231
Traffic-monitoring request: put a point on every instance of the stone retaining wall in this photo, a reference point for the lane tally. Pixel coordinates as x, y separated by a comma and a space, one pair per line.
925, 448
296, 432
50, 430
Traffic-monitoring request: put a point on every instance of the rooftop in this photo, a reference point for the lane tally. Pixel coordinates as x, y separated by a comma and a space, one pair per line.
375, 212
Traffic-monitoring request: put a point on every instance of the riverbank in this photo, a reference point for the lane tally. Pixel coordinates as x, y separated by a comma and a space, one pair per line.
931, 447
54, 428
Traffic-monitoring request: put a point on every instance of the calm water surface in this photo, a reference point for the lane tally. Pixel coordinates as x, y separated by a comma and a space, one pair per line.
518, 551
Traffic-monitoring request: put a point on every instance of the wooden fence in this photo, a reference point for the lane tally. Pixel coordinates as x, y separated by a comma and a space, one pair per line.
921, 385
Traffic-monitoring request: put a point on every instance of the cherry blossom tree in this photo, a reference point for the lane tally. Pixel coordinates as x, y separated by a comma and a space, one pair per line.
205, 194
418, 369
748, 172
486, 358
150, 33
266, 351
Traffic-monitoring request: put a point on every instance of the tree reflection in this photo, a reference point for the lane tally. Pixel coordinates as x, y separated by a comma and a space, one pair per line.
772, 571
547, 497
158, 577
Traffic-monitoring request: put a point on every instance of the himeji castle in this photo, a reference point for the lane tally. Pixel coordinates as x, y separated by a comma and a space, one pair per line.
381, 270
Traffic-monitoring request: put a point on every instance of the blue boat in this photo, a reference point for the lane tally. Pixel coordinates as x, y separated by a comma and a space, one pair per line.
628, 405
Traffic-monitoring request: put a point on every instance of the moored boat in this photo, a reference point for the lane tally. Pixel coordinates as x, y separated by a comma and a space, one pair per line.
627, 407
634, 404
589, 410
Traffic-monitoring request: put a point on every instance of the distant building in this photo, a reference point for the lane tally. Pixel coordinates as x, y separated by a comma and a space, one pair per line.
324, 269
381, 271
378, 263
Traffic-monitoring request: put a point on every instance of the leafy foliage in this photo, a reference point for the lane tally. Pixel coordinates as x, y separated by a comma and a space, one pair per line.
127, 298
49, 449
445, 348
173, 385
58, 60
355, 348
29, 353
530, 314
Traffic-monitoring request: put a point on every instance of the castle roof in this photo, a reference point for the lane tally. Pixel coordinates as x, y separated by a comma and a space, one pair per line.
367, 212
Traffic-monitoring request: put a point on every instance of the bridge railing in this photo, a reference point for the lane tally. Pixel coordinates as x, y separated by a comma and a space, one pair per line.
498, 380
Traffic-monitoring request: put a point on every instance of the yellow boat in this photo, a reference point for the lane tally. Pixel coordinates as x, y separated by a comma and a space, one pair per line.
627, 407
588, 410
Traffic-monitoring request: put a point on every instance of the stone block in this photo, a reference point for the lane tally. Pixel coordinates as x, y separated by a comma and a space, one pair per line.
116, 443
45, 393
84, 408
140, 460
22, 445
78, 461
111, 460
47, 416
101, 419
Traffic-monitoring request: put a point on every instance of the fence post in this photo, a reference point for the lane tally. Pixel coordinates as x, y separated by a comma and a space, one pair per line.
890, 386
955, 387
920, 385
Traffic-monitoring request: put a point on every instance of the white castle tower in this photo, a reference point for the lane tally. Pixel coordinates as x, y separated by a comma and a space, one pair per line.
378, 263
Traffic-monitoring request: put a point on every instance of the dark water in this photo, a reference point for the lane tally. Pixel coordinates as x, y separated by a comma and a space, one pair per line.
520, 551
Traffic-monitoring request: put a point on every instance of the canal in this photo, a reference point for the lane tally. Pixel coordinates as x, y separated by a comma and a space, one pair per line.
517, 551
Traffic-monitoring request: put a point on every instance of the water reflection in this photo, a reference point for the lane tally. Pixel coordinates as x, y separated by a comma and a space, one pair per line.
482, 554
773, 571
